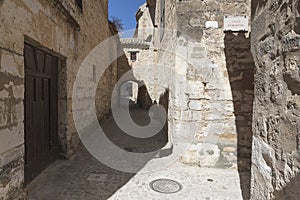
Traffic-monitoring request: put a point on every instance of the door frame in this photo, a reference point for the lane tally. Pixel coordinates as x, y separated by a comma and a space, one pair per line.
61, 98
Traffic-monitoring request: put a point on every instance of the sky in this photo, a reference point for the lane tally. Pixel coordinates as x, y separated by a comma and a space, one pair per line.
125, 10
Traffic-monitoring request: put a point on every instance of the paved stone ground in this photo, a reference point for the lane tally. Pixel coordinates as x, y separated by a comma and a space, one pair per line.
84, 178
68, 180
198, 184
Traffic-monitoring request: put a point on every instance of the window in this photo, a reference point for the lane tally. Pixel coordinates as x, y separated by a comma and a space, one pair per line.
79, 4
133, 56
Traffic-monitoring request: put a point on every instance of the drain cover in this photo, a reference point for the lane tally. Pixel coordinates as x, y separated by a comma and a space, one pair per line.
166, 186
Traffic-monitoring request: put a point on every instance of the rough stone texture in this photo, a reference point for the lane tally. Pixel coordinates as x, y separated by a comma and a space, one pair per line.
276, 47
203, 73
143, 68
206, 87
12, 173
240, 69
209, 74
109, 79
60, 27
164, 101
145, 21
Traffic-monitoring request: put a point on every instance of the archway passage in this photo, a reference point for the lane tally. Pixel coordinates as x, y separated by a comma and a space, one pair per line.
133, 95
128, 93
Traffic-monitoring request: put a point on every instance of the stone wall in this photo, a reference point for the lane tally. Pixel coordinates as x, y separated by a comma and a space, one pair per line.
109, 78
276, 48
164, 102
206, 105
144, 21
12, 174
240, 68
149, 68
218, 86
165, 44
57, 26
143, 68
211, 89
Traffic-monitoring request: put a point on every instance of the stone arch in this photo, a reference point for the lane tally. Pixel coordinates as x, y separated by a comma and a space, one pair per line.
128, 92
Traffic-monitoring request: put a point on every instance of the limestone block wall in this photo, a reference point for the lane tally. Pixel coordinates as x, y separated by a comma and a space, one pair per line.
276, 48
211, 83
57, 26
123, 64
144, 22
109, 78
164, 42
206, 92
145, 69
209, 74
154, 73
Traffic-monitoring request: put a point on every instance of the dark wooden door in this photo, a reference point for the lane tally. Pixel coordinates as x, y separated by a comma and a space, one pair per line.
41, 141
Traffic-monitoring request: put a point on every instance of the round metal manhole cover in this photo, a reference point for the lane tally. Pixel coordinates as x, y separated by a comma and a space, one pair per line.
166, 186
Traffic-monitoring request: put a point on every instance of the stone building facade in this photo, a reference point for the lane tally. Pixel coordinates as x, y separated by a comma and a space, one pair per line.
209, 73
248, 101
202, 74
66, 31
275, 46
213, 91
202, 100
139, 49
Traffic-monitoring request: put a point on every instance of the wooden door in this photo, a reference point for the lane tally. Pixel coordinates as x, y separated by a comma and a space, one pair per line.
41, 114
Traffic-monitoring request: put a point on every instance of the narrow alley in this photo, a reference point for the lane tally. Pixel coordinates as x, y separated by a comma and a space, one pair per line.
149, 99
84, 177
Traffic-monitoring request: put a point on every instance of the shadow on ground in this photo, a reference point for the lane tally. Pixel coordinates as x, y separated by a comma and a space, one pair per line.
84, 177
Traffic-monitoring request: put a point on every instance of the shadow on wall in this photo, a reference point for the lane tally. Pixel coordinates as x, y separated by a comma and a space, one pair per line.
108, 79
290, 191
105, 86
123, 64
144, 100
164, 101
240, 68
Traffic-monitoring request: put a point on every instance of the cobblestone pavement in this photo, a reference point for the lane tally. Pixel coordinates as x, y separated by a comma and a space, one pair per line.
84, 178
71, 180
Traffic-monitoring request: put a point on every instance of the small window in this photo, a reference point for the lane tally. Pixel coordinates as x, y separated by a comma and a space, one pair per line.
133, 56
79, 4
